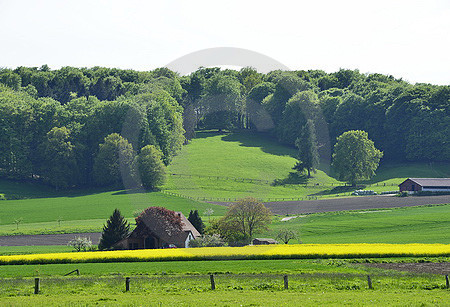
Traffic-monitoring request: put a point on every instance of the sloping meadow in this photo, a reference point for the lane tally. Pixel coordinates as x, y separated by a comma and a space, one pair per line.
295, 251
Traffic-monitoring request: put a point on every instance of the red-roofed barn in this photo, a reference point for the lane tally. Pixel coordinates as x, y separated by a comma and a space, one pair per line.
413, 185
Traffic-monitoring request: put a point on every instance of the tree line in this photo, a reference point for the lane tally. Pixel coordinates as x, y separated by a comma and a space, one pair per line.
61, 126
85, 141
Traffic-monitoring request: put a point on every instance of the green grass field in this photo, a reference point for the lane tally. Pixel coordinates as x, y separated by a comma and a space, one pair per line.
238, 283
211, 166
218, 163
423, 224
297, 266
87, 212
214, 165
187, 297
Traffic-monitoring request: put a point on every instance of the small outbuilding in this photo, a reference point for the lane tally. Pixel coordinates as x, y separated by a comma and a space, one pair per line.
414, 185
158, 227
264, 241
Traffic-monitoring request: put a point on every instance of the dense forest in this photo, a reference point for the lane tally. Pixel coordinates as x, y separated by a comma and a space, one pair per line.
53, 123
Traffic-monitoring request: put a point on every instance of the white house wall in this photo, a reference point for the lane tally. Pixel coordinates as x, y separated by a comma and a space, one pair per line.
189, 238
443, 189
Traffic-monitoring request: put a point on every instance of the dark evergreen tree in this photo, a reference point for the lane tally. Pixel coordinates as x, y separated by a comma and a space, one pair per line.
196, 221
307, 149
116, 229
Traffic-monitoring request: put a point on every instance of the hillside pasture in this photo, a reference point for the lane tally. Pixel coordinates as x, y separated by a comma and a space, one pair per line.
221, 166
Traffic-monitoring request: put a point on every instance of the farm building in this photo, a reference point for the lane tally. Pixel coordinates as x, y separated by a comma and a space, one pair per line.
413, 185
264, 241
158, 227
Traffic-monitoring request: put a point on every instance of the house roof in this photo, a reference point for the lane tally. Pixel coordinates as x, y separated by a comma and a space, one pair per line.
187, 226
164, 229
269, 240
430, 182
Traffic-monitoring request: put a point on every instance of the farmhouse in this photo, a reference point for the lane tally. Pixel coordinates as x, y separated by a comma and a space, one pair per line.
413, 185
158, 227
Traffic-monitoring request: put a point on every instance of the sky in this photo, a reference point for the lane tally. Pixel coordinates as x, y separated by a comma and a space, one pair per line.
406, 39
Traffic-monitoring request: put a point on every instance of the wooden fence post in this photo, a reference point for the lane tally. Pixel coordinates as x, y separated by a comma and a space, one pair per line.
36, 285
213, 283
369, 282
127, 284
286, 282
447, 282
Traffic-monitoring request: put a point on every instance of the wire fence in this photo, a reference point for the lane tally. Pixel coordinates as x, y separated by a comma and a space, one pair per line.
234, 199
318, 185
229, 282
261, 181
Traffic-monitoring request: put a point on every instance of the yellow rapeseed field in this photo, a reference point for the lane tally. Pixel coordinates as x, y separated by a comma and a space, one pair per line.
297, 251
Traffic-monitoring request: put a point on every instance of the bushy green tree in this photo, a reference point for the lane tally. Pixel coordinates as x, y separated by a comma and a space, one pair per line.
302, 107
59, 167
150, 167
114, 160
221, 106
116, 229
355, 157
196, 221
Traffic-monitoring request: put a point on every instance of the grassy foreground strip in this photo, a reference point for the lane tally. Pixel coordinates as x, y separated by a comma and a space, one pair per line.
297, 251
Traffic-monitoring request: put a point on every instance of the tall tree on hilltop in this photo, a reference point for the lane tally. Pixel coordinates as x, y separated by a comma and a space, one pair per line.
308, 153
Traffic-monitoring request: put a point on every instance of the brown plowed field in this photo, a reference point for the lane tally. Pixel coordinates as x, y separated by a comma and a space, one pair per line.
350, 203
56, 239
432, 268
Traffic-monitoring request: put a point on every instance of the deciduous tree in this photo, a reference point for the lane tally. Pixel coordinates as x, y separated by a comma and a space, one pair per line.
243, 219
285, 235
59, 166
115, 157
150, 167
355, 157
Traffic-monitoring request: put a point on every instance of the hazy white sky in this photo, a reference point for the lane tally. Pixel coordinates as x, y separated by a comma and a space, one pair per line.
408, 39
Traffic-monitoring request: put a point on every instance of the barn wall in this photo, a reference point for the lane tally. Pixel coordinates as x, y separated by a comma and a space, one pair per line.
436, 189
408, 186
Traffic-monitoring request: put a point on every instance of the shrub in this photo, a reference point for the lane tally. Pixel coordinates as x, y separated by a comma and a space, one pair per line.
402, 194
207, 241
81, 244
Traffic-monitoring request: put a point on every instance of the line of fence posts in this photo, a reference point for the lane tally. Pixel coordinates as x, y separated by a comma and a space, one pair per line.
37, 282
